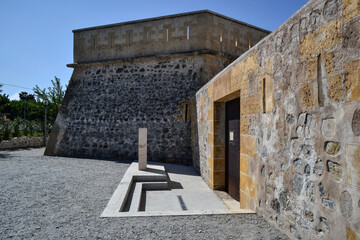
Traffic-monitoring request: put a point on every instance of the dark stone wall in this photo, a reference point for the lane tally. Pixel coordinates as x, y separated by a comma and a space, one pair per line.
106, 104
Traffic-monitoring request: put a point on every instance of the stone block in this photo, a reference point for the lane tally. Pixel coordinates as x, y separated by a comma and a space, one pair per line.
351, 234
308, 94
351, 31
222, 86
298, 182
244, 164
328, 203
351, 8
332, 148
318, 167
210, 89
322, 39
346, 205
248, 145
210, 138
269, 103
250, 63
142, 148
328, 128
335, 170
244, 89
211, 114
251, 105
312, 68
210, 161
352, 81
244, 200
353, 165
202, 101
236, 76
335, 89
329, 62
355, 123
248, 185
244, 125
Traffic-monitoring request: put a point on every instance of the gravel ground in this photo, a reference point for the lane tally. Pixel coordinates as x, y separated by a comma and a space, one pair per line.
62, 198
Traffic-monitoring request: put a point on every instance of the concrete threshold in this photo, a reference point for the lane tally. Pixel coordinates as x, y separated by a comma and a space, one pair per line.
176, 191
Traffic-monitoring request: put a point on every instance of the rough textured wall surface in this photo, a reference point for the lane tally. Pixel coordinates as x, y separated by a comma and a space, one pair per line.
299, 92
106, 104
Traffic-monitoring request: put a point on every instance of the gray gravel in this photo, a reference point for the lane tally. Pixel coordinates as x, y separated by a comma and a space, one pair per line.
62, 198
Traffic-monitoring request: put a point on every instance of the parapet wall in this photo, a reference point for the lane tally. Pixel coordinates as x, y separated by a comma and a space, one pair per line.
202, 31
299, 91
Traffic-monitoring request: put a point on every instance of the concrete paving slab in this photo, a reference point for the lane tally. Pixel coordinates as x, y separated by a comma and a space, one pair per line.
118, 201
187, 194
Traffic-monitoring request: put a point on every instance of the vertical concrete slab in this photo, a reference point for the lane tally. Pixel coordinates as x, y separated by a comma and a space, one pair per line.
142, 148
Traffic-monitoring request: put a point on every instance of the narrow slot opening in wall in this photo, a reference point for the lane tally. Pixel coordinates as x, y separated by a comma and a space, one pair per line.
186, 111
188, 33
263, 98
167, 35
221, 37
319, 82
249, 44
236, 42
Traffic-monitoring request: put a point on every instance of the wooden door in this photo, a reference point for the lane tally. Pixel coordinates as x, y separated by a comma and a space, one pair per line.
232, 148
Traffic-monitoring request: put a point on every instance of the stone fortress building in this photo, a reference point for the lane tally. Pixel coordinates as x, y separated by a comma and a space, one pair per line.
144, 74
278, 128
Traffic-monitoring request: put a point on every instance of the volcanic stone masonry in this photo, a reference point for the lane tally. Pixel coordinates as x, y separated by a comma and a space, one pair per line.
299, 91
144, 74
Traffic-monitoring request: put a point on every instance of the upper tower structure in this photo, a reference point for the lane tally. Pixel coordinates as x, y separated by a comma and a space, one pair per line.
201, 31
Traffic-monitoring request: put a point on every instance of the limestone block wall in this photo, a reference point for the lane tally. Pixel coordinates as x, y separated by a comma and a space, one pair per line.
105, 105
299, 92
201, 31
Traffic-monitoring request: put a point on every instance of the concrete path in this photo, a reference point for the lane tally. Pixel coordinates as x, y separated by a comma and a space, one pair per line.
62, 198
188, 192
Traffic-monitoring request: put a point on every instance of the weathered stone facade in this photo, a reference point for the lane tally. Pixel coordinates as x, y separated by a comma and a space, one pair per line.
299, 91
144, 74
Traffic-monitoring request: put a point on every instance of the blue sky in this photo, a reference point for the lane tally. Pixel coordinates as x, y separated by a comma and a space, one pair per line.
36, 40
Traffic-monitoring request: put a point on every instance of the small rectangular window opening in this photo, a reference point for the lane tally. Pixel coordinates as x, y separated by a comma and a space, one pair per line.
186, 112
264, 97
167, 35
221, 37
319, 82
236, 43
188, 33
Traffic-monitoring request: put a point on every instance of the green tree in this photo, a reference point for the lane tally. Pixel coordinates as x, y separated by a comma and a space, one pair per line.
25, 96
54, 95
